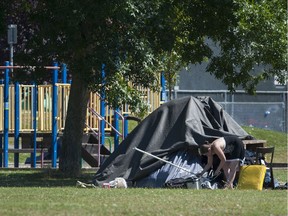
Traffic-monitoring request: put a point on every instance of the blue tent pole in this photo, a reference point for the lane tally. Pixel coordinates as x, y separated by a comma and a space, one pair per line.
102, 107
54, 115
6, 114
34, 98
16, 123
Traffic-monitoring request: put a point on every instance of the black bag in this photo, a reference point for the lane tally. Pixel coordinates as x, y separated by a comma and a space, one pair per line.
180, 182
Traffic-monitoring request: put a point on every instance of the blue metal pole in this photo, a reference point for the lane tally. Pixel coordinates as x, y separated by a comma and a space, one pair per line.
1, 145
54, 116
163, 88
126, 124
64, 73
6, 115
16, 123
102, 107
34, 98
64, 81
116, 125
1, 137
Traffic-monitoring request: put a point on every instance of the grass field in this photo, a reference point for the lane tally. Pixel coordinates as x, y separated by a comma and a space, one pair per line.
74, 201
44, 192
47, 192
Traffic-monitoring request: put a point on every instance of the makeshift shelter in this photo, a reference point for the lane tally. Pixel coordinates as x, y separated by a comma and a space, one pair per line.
172, 132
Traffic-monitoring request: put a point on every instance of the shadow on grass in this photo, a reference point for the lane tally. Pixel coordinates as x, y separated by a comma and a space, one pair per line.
41, 178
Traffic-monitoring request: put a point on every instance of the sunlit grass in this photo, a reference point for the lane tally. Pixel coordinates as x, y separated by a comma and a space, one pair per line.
79, 201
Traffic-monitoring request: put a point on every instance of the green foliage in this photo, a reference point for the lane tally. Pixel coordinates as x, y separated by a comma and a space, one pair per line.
254, 48
136, 40
87, 36
2, 12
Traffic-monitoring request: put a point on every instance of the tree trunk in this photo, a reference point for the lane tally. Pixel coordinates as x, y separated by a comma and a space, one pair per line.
70, 156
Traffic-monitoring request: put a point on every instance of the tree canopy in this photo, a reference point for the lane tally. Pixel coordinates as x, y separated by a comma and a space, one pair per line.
134, 41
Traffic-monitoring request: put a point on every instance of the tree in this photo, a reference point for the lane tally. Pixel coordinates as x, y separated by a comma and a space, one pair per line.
258, 37
136, 40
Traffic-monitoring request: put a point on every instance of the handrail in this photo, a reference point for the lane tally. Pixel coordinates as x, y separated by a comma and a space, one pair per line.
102, 118
32, 67
99, 117
94, 132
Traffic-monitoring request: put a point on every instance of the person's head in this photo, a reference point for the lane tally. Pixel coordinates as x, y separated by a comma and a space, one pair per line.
204, 149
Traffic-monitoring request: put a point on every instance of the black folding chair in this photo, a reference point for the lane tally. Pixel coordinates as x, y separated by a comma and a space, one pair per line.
261, 152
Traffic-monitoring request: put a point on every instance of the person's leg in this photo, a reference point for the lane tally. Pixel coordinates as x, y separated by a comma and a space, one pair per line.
226, 170
233, 166
234, 159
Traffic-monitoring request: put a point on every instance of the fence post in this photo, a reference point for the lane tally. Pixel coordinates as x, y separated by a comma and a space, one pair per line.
16, 123
54, 115
6, 115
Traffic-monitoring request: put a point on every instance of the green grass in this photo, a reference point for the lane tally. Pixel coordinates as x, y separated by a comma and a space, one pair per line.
45, 192
75, 201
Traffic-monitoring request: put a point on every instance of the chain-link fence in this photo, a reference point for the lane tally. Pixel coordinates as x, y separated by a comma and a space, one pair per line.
266, 109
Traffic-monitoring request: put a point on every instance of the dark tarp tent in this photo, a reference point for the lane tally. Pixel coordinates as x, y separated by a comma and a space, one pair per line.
172, 132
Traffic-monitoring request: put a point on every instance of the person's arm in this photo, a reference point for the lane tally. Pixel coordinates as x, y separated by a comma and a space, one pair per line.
208, 165
219, 152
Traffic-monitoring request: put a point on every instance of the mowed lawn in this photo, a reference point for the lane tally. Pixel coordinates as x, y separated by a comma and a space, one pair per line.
79, 201
45, 192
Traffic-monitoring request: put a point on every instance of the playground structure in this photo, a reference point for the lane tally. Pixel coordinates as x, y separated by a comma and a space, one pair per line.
35, 114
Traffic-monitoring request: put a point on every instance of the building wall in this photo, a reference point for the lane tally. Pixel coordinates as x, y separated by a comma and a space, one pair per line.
267, 109
196, 78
